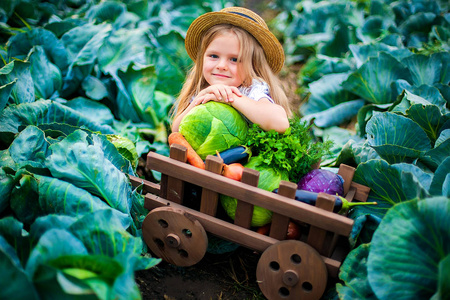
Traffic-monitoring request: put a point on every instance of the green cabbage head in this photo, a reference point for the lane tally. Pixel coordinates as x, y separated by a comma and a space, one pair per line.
269, 179
213, 126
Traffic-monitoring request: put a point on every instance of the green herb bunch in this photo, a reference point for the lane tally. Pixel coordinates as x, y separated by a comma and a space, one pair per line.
295, 151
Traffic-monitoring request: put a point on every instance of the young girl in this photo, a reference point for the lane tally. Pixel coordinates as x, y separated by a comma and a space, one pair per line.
236, 61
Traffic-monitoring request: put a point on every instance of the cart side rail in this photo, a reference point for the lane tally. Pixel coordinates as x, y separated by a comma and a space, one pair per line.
179, 172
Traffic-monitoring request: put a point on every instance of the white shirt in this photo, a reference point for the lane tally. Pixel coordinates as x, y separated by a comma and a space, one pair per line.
257, 90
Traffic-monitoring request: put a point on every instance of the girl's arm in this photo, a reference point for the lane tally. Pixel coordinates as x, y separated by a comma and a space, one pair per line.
266, 114
217, 92
176, 122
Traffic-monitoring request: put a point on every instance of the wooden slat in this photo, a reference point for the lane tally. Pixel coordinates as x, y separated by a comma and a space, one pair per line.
253, 195
316, 236
175, 186
210, 198
147, 186
228, 231
362, 191
280, 223
347, 174
244, 210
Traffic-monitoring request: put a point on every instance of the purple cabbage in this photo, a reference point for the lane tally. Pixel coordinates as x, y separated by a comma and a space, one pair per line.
322, 181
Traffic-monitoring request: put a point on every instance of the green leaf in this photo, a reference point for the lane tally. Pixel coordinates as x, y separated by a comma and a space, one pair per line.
18, 74
45, 112
365, 113
335, 115
92, 110
396, 145
171, 62
18, 285
52, 221
427, 69
97, 272
63, 198
46, 76
353, 273
389, 184
136, 94
443, 291
409, 98
7, 183
5, 93
434, 157
20, 45
372, 81
83, 44
13, 232
30, 147
106, 12
441, 178
53, 244
85, 165
325, 93
429, 118
95, 89
24, 197
320, 65
362, 52
116, 53
407, 248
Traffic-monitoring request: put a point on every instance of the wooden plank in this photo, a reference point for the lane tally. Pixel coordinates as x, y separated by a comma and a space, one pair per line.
347, 174
210, 198
316, 236
280, 223
147, 186
253, 195
362, 191
175, 186
228, 231
244, 210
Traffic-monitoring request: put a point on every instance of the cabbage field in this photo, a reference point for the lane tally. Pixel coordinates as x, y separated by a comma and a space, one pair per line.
86, 87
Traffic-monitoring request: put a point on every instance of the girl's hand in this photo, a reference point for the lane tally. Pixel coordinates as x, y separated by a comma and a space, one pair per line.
218, 93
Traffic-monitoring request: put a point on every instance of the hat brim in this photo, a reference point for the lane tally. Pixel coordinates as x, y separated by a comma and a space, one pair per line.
270, 44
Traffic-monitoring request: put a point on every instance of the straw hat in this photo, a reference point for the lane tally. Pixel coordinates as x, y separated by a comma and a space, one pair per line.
243, 18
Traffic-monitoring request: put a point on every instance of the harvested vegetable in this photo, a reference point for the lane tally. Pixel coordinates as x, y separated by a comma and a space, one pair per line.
341, 205
293, 231
192, 157
235, 154
293, 151
212, 127
269, 179
320, 180
233, 171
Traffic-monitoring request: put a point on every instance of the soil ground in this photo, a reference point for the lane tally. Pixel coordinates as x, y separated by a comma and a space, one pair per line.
229, 276
217, 276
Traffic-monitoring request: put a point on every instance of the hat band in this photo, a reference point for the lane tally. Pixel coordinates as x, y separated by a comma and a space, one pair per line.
244, 15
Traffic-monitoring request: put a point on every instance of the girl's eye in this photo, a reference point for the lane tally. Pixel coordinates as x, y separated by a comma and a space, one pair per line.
234, 59
214, 56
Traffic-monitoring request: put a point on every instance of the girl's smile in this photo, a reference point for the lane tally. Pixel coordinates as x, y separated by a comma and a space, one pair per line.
220, 61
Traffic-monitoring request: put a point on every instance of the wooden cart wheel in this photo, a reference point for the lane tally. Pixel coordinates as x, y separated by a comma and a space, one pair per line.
174, 236
291, 269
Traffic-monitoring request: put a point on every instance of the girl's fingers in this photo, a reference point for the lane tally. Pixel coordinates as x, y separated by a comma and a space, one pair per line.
236, 91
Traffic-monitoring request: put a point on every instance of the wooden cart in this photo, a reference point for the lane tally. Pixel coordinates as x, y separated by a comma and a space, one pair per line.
287, 269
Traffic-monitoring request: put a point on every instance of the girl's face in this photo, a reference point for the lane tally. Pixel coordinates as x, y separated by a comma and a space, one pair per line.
220, 61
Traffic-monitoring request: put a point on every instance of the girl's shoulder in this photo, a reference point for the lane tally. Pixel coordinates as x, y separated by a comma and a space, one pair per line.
257, 84
257, 90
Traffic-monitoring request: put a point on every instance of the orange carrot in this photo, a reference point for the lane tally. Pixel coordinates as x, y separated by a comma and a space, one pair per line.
192, 157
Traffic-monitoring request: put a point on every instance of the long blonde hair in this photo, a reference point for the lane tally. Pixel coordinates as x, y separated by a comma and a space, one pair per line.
254, 65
